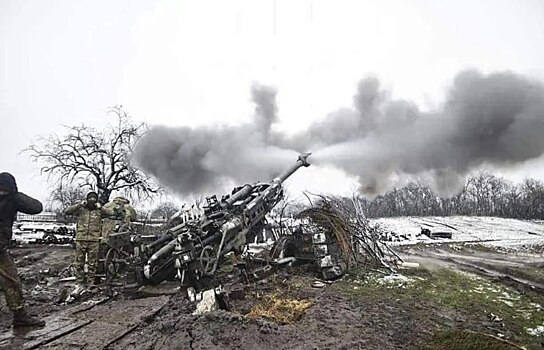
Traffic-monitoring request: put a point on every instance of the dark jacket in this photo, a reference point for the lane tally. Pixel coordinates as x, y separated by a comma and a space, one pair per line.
10, 204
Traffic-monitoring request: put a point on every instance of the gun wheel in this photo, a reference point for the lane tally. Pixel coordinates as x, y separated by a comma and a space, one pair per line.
112, 265
207, 260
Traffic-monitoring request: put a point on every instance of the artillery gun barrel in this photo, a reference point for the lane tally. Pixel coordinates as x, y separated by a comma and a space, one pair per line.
263, 203
247, 189
301, 161
164, 251
160, 241
244, 191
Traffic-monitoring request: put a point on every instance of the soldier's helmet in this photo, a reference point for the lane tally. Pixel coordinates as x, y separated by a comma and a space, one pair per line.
121, 200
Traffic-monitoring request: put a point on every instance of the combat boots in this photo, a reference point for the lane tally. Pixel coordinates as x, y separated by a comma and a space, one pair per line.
22, 319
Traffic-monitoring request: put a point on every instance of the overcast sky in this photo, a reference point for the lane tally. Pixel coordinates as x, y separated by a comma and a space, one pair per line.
192, 63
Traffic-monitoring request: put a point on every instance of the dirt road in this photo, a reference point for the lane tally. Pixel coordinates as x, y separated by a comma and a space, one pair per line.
521, 270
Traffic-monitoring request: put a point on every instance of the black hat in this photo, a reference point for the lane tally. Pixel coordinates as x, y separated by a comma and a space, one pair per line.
92, 194
7, 182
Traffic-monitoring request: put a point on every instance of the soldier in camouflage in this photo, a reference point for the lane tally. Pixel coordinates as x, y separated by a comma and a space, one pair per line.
123, 215
89, 227
12, 201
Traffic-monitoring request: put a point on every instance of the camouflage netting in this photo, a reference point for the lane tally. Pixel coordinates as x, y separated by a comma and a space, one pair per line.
344, 220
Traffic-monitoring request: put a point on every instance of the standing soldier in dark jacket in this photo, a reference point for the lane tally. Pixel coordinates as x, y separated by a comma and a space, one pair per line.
12, 201
89, 227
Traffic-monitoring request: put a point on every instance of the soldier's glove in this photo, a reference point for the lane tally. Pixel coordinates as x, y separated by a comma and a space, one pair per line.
98, 206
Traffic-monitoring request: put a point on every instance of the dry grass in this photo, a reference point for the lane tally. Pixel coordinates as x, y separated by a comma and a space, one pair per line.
280, 309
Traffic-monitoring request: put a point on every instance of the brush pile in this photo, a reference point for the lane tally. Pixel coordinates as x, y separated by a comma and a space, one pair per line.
343, 220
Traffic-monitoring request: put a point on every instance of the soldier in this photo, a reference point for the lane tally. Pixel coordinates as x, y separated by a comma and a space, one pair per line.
89, 225
12, 201
123, 214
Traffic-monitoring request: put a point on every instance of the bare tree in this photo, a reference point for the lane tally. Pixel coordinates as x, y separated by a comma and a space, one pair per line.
165, 210
64, 196
532, 199
96, 159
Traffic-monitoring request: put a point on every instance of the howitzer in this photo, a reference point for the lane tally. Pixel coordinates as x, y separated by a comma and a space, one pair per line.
196, 248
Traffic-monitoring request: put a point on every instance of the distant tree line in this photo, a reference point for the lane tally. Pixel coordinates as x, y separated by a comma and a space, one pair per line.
482, 195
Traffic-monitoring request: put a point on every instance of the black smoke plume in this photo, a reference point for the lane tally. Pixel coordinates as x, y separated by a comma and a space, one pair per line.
205, 159
495, 119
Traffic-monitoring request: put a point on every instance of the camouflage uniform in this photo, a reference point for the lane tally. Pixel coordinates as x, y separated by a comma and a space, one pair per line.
9, 280
89, 227
122, 213
12, 201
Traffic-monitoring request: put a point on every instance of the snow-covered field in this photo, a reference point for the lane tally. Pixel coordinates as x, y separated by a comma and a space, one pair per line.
488, 230
43, 226
29, 232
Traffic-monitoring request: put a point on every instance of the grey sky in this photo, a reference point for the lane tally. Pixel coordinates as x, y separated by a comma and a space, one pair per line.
193, 63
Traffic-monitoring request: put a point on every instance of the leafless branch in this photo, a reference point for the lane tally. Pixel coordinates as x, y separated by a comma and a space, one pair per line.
98, 158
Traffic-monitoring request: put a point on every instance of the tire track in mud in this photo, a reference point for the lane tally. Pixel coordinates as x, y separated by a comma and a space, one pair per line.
30, 346
98, 326
481, 265
509, 279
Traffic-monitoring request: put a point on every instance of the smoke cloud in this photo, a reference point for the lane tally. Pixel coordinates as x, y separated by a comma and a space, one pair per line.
266, 110
202, 160
495, 119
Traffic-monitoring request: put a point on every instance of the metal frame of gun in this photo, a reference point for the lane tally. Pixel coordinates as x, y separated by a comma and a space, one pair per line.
196, 248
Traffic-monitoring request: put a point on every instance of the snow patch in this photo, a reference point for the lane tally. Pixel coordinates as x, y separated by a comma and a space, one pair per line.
395, 280
511, 234
537, 331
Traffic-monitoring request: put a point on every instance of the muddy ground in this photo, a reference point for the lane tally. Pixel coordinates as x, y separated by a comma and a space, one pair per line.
459, 297
40, 268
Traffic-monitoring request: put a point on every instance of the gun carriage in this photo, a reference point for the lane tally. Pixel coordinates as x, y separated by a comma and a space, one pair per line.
195, 249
